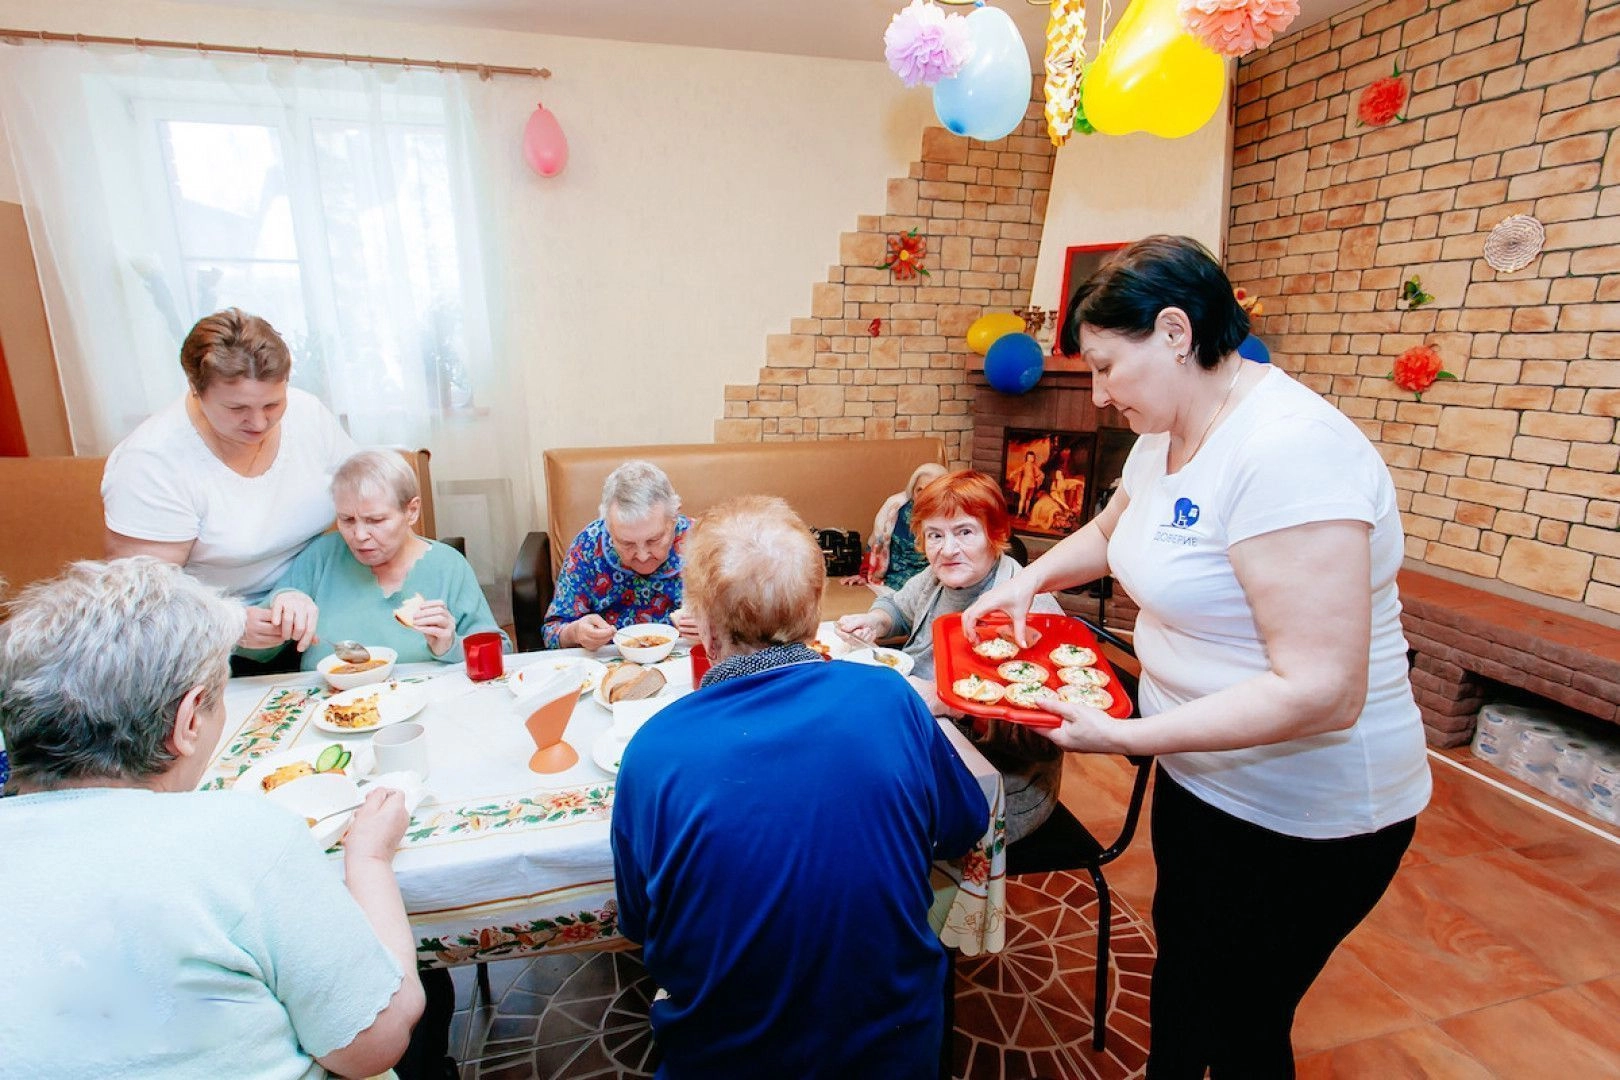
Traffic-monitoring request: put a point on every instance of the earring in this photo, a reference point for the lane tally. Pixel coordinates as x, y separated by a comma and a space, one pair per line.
1181, 358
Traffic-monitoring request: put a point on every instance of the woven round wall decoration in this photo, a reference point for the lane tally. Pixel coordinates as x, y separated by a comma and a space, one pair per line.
1514, 242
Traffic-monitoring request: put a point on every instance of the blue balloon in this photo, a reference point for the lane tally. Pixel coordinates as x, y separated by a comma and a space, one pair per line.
987, 99
1014, 363
1252, 348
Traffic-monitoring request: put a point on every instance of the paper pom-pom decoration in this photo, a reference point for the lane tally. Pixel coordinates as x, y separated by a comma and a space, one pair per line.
1382, 101
1065, 52
924, 45
1416, 370
1514, 242
907, 251
1237, 27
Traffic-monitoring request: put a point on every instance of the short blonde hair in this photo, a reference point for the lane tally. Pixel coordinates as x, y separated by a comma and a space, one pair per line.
377, 472
230, 345
753, 574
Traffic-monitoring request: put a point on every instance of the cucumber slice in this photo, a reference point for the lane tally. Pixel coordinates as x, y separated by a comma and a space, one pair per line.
343, 762
331, 758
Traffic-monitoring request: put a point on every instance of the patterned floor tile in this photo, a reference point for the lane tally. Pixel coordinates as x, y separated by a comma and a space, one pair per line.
1020, 1015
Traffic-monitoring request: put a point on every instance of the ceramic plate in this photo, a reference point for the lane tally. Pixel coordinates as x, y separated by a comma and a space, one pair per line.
674, 671
316, 798
253, 779
396, 701
878, 656
590, 673
607, 751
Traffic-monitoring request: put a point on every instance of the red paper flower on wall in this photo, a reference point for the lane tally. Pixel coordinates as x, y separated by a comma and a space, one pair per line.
906, 253
1382, 101
1417, 368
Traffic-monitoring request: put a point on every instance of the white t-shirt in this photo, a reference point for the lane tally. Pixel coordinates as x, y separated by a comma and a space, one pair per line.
1283, 457
163, 483
175, 936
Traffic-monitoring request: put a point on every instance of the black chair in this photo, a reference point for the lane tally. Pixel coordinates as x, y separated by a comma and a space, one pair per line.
1061, 842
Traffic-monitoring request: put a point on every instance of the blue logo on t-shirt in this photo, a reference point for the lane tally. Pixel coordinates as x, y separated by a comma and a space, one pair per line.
1186, 513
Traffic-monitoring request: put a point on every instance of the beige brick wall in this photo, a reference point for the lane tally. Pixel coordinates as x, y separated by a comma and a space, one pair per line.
980, 206
1511, 473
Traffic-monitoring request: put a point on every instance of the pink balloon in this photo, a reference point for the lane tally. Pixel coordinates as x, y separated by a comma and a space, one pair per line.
545, 147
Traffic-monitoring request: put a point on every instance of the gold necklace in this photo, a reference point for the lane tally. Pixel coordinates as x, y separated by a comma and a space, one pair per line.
1199, 445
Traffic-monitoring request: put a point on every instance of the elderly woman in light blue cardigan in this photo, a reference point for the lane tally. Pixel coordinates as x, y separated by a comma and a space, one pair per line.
354, 583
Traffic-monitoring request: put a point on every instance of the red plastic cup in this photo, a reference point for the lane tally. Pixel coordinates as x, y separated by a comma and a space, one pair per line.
483, 656
700, 664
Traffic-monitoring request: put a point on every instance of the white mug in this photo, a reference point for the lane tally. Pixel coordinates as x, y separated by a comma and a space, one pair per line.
402, 748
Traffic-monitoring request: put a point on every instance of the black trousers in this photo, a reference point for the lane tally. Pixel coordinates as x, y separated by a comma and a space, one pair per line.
1245, 919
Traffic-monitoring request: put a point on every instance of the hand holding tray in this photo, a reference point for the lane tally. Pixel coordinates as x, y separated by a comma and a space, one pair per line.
954, 659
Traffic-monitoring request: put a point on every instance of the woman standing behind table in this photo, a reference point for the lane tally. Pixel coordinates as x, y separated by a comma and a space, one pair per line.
374, 580
1257, 528
963, 525
230, 481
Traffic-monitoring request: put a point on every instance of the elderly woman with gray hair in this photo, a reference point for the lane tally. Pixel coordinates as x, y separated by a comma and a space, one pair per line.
174, 933
625, 567
773, 833
374, 580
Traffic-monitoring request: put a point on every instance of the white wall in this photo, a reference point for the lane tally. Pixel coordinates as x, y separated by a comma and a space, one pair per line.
705, 194
1114, 189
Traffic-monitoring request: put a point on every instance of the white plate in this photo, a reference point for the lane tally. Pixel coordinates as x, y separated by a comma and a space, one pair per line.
674, 671
606, 752
590, 674
877, 656
395, 702
359, 765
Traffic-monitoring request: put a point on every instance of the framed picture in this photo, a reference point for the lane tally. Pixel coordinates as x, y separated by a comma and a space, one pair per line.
1046, 477
1079, 263
1113, 447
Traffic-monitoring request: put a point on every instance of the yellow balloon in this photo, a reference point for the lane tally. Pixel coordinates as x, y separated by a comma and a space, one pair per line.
987, 328
1153, 76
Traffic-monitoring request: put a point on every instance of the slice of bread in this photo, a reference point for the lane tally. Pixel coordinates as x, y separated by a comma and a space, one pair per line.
406, 612
632, 682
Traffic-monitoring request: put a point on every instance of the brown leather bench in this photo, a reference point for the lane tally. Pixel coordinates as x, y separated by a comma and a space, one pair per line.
832, 485
51, 515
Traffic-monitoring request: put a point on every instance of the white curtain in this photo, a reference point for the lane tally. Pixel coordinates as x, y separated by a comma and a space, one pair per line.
343, 203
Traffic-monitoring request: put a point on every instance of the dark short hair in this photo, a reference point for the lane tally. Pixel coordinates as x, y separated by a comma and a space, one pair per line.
1127, 293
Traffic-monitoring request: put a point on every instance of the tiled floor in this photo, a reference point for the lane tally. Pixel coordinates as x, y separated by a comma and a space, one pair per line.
1496, 953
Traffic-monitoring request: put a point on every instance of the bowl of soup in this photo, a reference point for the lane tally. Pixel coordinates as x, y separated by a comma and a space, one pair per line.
343, 675
646, 643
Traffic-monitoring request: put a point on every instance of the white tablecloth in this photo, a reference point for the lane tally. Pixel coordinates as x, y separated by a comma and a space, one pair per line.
500, 861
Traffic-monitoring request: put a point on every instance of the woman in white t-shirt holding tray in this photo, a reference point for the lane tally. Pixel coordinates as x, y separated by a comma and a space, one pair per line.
234, 479
1257, 528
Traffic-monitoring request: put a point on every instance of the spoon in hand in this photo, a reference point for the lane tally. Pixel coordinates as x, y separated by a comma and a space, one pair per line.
351, 652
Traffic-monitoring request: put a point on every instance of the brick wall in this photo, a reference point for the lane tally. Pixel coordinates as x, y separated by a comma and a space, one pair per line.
980, 205
1510, 473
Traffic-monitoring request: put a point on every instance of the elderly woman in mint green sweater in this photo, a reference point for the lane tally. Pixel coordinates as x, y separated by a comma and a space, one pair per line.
348, 584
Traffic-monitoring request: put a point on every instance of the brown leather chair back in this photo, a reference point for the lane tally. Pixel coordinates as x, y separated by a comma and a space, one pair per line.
834, 484
50, 516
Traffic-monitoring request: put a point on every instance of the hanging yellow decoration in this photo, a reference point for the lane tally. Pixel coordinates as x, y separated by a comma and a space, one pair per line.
1065, 52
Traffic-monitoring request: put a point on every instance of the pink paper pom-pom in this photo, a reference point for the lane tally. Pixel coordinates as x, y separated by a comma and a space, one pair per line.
924, 45
1237, 27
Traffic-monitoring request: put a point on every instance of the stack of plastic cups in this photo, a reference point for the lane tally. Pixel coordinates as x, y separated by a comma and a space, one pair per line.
1604, 785
1495, 732
1572, 771
1532, 757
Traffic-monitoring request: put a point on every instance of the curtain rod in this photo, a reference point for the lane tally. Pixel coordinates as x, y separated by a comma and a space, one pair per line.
484, 71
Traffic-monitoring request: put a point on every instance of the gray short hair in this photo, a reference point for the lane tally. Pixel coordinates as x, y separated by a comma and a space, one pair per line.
93, 665
636, 489
381, 472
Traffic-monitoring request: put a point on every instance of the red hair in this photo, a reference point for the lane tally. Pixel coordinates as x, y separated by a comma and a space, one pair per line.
964, 492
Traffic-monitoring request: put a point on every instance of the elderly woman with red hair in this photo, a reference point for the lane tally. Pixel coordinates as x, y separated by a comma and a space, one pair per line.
962, 529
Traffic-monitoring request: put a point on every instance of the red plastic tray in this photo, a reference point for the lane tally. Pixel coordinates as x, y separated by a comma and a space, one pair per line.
954, 659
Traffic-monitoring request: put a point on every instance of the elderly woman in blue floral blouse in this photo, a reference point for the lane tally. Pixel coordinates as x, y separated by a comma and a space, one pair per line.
625, 567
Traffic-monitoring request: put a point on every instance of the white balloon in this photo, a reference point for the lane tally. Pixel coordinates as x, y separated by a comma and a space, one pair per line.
988, 98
